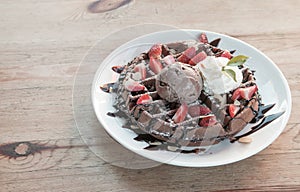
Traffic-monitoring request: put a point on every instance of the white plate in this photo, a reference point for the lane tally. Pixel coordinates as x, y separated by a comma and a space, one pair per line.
272, 86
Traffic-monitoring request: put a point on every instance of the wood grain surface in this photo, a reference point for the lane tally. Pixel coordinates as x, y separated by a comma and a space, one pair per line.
42, 44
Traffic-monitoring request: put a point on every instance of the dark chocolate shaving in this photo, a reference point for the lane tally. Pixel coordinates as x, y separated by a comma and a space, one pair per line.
117, 113
146, 137
215, 42
232, 51
108, 87
118, 69
111, 114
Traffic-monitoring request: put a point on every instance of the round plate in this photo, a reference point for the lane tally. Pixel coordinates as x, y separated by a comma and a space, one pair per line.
273, 89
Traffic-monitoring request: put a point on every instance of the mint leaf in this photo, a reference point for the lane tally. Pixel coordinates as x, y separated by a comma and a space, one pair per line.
237, 60
230, 73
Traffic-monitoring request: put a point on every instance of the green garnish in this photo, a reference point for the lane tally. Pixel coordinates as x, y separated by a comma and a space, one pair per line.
230, 73
235, 61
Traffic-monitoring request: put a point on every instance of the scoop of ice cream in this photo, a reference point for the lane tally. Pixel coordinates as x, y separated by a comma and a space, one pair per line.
179, 82
216, 80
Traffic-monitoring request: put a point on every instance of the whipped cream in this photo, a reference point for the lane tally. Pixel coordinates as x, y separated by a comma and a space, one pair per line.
215, 80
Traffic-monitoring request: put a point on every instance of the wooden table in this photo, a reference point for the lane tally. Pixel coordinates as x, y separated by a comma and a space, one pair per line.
42, 44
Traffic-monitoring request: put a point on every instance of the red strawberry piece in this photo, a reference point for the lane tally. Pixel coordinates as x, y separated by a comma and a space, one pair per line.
203, 38
248, 92
187, 55
197, 58
245, 93
155, 51
226, 54
236, 94
141, 68
132, 85
144, 99
198, 110
233, 110
169, 59
208, 121
180, 113
155, 65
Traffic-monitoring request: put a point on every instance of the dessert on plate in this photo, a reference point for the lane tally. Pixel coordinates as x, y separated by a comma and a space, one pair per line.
188, 93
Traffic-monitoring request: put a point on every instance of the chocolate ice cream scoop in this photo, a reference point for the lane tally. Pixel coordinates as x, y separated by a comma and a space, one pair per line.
179, 82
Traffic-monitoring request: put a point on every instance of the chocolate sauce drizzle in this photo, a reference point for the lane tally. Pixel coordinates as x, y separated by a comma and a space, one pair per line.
261, 112
162, 145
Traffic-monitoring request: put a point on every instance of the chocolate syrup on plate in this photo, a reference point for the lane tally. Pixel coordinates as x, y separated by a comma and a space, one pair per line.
264, 122
156, 144
262, 109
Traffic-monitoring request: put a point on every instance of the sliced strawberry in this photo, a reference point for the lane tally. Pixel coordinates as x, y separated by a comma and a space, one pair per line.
245, 93
144, 99
155, 51
208, 121
155, 65
169, 59
198, 110
233, 110
132, 85
248, 92
187, 55
236, 94
226, 54
203, 38
141, 68
197, 58
180, 113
